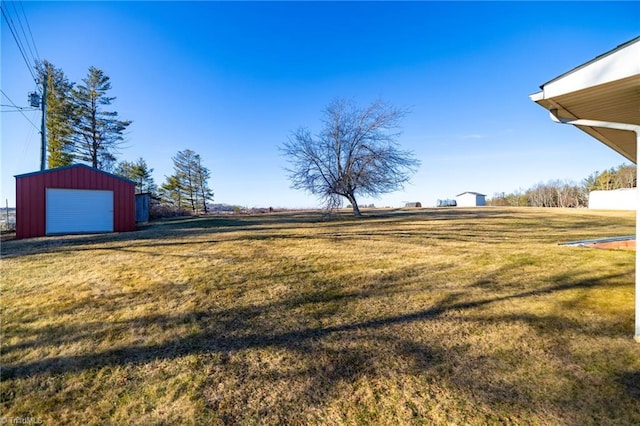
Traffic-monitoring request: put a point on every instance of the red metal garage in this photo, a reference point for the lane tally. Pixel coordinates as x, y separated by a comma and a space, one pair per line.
73, 200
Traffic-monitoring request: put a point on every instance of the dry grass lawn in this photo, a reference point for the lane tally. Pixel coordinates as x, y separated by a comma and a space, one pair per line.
430, 316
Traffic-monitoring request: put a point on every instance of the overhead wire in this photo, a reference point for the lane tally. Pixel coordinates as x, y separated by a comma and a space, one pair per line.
23, 52
19, 109
30, 33
28, 143
22, 108
31, 60
16, 38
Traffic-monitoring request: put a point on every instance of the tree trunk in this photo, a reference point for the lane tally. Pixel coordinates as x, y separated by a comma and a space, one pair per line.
354, 205
204, 199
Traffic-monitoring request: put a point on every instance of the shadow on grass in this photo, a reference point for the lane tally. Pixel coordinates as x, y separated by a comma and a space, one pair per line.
244, 327
630, 381
331, 355
334, 352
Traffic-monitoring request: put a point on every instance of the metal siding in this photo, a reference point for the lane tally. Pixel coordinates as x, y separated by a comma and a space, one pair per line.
36, 202
96, 180
131, 196
122, 211
74, 175
51, 180
31, 197
142, 207
117, 208
21, 225
68, 179
29, 205
125, 207
81, 180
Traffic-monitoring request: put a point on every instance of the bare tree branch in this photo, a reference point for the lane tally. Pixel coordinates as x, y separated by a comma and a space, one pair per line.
356, 153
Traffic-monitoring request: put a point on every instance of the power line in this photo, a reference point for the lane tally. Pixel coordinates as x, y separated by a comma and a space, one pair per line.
30, 33
11, 26
22, 108
26, 145
19, 110
24, 33
13, 109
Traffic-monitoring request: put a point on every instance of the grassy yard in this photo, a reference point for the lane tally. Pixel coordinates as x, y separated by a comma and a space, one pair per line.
448, 316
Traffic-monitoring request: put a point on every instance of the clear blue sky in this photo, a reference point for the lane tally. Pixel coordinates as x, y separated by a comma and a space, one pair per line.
231, 81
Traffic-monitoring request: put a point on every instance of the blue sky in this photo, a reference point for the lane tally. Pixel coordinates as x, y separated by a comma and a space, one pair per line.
232, 80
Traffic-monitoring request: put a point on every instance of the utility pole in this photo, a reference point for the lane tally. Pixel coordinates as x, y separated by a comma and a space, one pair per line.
43, 130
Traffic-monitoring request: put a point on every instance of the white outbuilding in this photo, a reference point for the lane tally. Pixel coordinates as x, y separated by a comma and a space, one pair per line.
470, 199
617, 199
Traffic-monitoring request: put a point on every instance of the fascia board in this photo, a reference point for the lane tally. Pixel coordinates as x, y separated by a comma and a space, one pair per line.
617, 65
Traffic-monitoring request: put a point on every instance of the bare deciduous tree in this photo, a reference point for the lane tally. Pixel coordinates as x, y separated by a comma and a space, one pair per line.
356, 153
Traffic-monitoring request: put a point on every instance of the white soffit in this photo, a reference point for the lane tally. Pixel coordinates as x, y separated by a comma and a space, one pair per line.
606, 88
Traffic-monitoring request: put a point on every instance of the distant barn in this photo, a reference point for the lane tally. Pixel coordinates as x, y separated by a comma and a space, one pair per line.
75, 199
413, 204
470, 199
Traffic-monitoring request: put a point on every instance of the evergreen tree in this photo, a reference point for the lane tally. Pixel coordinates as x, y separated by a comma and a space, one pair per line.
623, 176
192, 178
98, 133
140, 173
60, 114
202, 177
172, 192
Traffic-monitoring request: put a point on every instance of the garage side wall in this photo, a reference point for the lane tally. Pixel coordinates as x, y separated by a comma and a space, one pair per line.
31, 197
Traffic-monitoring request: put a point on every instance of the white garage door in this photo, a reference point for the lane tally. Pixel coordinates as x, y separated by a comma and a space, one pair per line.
79, 211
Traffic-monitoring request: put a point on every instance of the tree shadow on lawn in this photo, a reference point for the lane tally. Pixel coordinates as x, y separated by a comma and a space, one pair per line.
630, 380
228, 322
333, 354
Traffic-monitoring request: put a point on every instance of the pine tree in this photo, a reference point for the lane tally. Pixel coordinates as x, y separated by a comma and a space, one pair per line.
140, 173
202, 177
192, 177
172, 193
98, 133
60, 114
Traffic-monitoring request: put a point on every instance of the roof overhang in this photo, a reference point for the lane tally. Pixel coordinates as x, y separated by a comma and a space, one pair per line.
74, 166
605, 89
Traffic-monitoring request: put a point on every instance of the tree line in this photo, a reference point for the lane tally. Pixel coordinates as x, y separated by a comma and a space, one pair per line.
558, 193
81, 128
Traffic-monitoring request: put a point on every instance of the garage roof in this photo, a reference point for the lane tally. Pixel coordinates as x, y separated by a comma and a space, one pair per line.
74, 166
607, 88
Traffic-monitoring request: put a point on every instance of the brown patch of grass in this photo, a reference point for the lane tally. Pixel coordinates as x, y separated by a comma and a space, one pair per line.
457, 316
